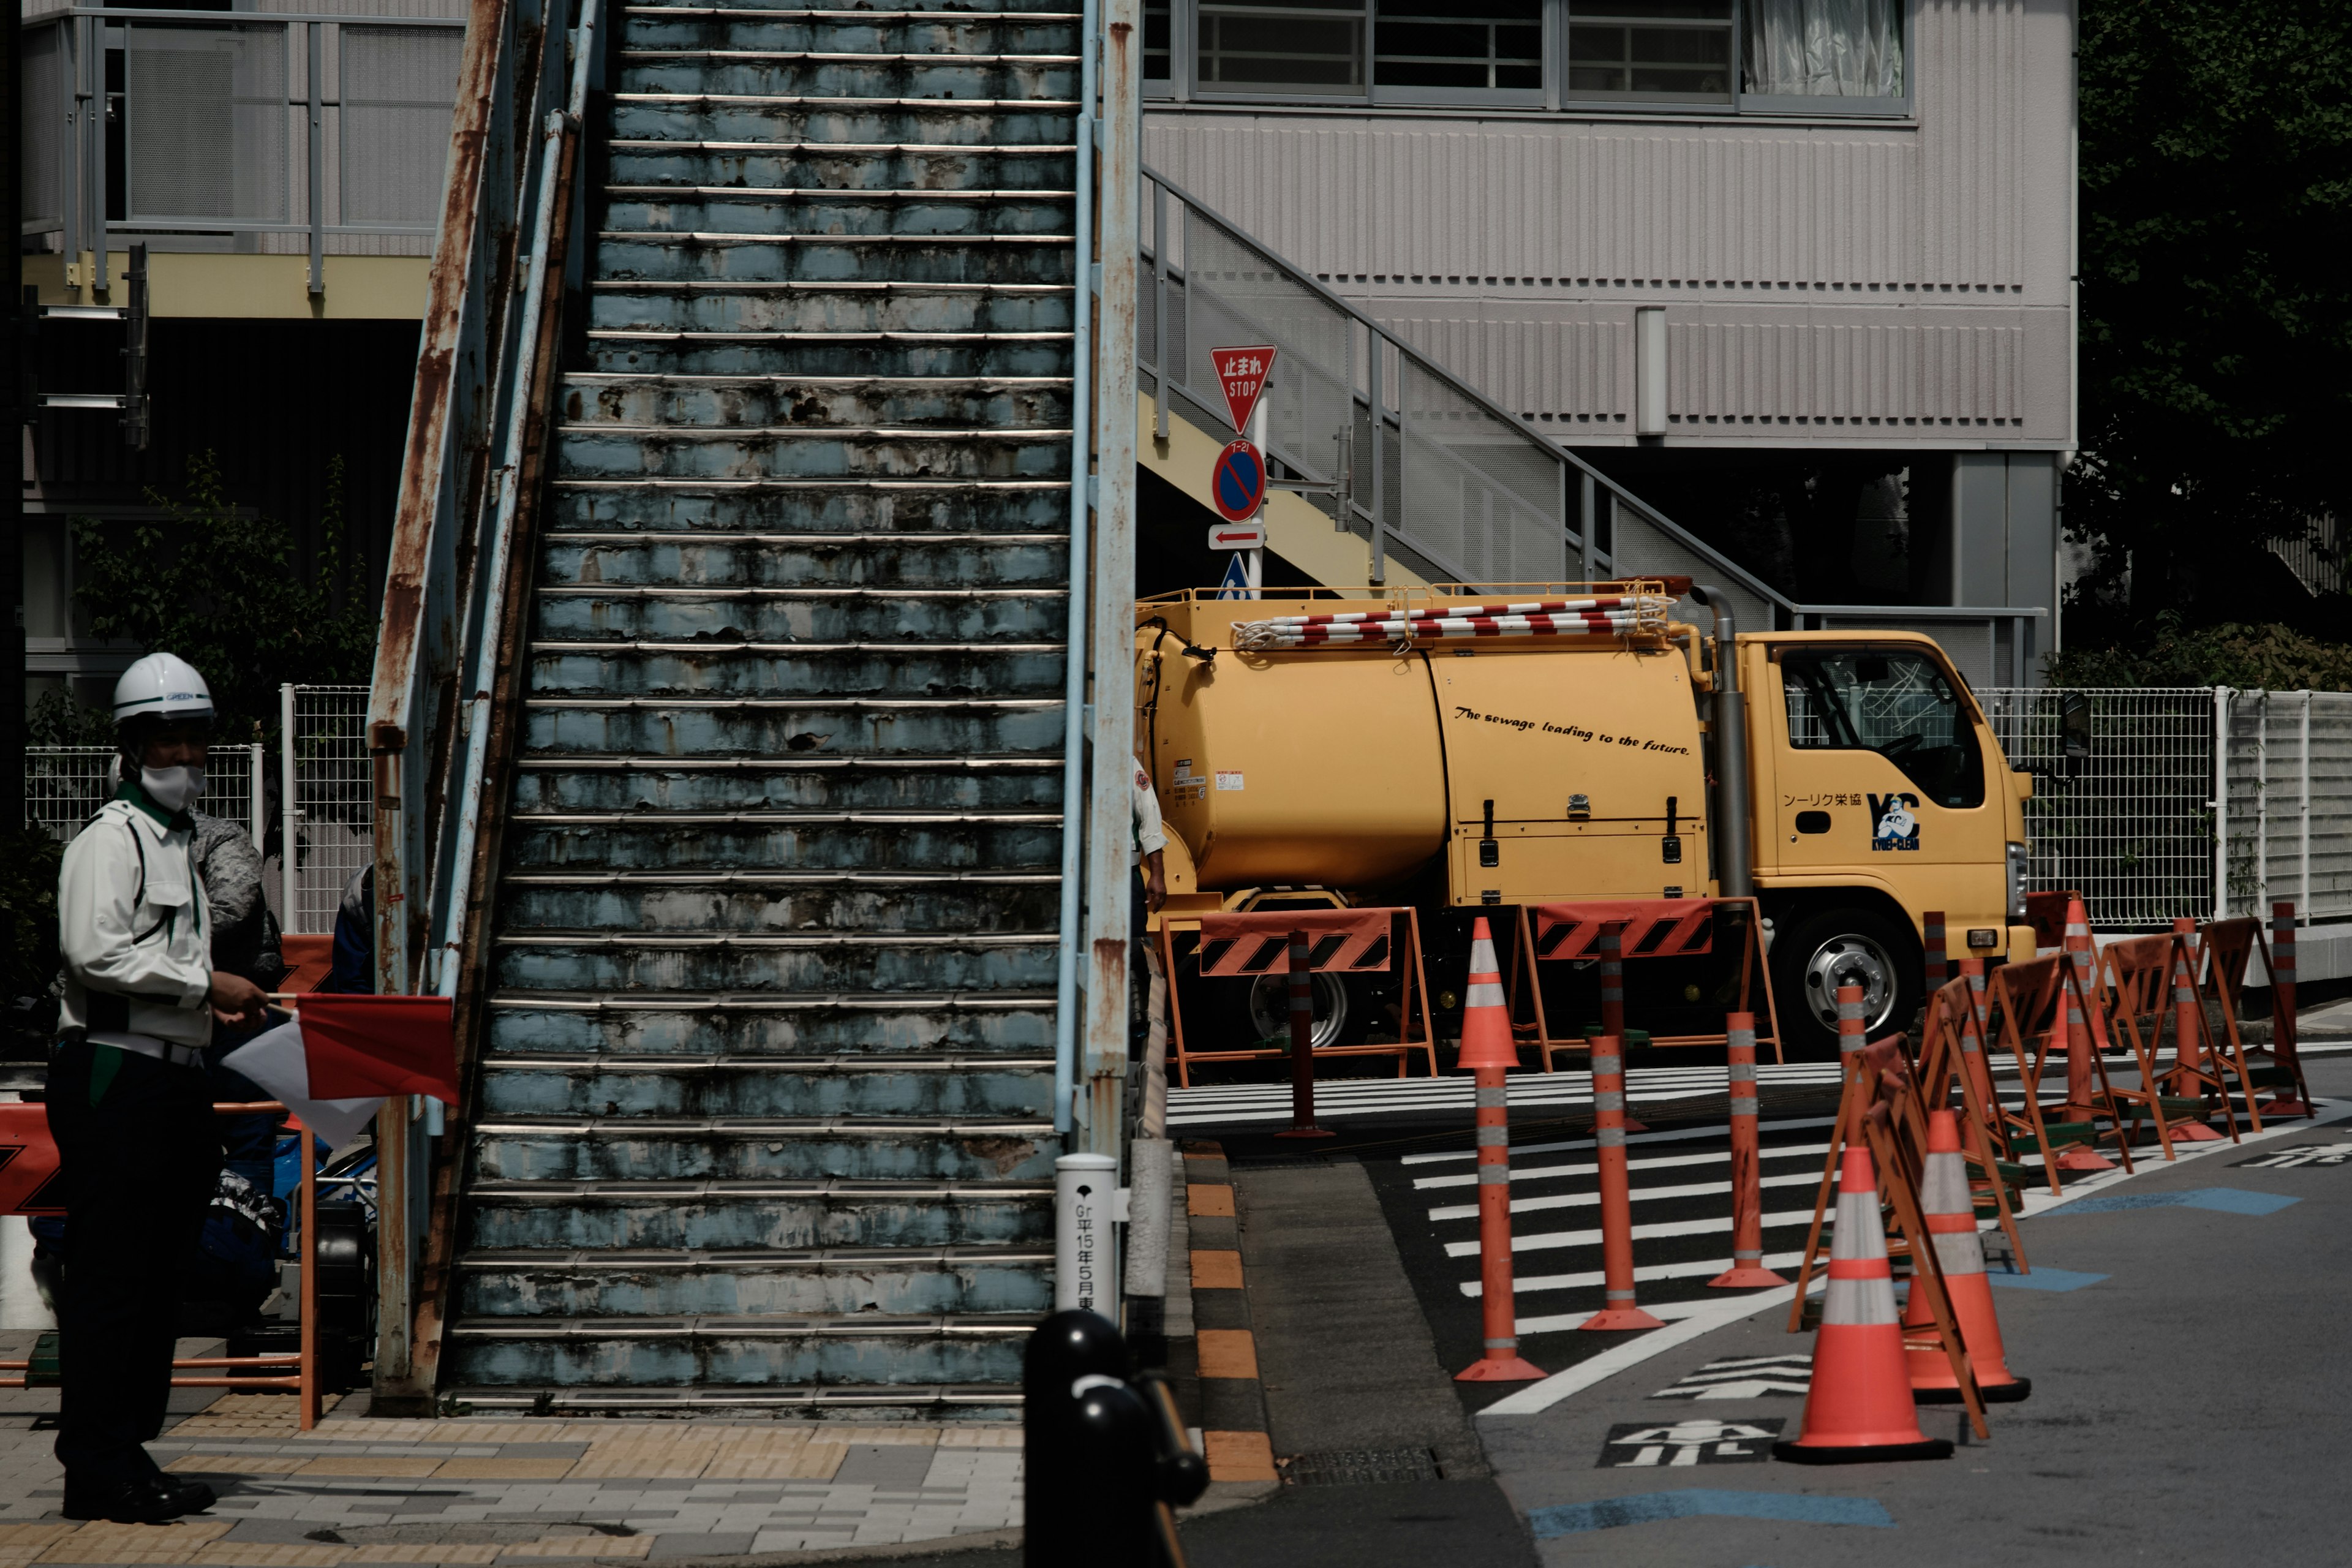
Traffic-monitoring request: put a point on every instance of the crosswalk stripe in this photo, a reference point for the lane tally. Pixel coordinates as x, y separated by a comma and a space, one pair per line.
1671, 1135
1588, 1200
1652, 1232
1652, 1273
1656, 1162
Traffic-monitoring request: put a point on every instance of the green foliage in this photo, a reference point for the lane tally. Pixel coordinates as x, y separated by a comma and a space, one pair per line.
222, 590
28, 914
2216, 158
2270, 658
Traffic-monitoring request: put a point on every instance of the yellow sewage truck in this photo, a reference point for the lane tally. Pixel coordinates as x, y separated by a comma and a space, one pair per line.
1396, 747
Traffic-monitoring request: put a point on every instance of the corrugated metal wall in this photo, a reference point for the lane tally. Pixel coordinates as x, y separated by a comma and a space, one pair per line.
1837, 281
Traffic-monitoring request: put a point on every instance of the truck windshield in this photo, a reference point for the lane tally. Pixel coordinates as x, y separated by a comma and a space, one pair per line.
1898, 704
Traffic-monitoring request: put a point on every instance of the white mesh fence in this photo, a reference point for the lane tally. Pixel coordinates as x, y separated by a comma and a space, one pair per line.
326, 791
2287, 820
2130, 826
65, 786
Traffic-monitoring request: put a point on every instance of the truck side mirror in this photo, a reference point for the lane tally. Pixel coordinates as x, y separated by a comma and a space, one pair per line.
2074, 732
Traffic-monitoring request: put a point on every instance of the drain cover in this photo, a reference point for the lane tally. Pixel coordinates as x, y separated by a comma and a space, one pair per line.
1361, 1467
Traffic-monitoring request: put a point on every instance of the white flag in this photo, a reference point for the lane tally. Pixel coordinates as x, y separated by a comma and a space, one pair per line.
277, 1061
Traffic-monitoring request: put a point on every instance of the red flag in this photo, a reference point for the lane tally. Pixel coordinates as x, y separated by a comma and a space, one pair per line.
379, 1045
28, 1162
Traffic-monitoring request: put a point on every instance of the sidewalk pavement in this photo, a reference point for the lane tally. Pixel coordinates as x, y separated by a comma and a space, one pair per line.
362, 1491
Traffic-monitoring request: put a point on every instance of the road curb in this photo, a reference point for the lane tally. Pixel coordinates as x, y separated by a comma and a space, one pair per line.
1216, 1368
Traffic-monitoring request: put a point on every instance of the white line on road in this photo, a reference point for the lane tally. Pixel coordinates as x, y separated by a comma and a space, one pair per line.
1652, 1232
1658, 1163
1590, 1200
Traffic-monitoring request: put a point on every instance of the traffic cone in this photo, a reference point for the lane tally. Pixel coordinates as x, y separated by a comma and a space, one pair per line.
1951, 1219
1488, 1050
2188, 1024
2082, 1103
1858, 1408
1622, 1311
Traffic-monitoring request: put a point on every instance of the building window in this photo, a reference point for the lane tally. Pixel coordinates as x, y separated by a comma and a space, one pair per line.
1671, 50
1792, 56
1421, 44
1280, 49
1823, 48
1158, 40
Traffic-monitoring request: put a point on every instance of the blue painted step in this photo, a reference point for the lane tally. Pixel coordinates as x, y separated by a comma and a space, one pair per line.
764, 1108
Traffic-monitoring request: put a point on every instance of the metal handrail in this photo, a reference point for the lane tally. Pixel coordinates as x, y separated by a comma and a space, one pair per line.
1717, 564
476, 428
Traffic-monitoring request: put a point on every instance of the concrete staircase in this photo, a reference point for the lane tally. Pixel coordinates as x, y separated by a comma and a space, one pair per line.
765, 1107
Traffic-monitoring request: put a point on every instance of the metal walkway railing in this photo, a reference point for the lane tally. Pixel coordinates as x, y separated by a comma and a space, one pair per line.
1440, 479
439, 718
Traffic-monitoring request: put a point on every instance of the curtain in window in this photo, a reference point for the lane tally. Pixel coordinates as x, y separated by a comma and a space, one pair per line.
1825, 48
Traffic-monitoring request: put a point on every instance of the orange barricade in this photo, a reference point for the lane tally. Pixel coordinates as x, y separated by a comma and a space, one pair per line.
2034, 1001
1951, 1052
1341, 941
1881, 1125
2223, 948
1644, 928
299, 1374
2136, 984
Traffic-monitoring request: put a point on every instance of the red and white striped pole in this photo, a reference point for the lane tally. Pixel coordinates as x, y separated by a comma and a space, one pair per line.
1612, 993
1747, 1270
2290, 1100
1937, 960
1302, 1043
1616, 1192
1975, 1044
1490, 1052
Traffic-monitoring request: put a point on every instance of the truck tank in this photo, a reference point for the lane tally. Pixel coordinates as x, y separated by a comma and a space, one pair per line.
1532, 768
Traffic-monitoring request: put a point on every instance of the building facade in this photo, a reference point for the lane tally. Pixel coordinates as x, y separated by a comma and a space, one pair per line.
283, 169
1796, 272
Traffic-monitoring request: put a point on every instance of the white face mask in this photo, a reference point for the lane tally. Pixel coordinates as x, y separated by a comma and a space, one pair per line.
172, 788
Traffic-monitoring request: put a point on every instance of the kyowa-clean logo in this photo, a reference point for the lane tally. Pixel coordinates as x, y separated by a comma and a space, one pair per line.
1897, 825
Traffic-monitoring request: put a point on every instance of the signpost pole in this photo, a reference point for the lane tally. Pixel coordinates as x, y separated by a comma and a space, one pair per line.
1253, 561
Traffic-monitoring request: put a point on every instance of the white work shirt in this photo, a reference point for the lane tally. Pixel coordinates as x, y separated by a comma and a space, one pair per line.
1149, 836
135, 930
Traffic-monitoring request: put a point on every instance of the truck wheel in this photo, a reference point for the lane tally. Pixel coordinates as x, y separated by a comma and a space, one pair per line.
1845, 946
1270, 1009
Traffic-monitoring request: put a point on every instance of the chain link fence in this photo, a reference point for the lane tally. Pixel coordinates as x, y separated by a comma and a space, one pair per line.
322, 796
326, 794
65, 786
2131, 824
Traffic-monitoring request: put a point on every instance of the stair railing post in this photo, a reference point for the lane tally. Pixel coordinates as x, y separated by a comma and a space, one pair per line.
1074, 689
1111, 585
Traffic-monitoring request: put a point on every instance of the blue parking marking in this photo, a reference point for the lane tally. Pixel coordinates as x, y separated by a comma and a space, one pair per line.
2044, 1278
1647, 1508
2224, 1200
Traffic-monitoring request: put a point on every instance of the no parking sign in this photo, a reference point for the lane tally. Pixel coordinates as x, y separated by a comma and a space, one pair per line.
1237, 482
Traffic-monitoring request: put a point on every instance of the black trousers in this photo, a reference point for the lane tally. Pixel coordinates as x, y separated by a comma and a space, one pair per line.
140, 1168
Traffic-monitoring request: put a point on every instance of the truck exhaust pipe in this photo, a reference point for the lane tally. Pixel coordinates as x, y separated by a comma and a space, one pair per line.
1732, 860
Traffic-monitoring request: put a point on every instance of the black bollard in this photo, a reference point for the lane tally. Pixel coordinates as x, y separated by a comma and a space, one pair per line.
1065, 1348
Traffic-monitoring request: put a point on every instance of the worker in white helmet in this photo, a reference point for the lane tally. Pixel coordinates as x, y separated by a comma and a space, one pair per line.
139, 1146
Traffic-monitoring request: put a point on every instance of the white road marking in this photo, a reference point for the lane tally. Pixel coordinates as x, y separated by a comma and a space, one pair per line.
1591, 1200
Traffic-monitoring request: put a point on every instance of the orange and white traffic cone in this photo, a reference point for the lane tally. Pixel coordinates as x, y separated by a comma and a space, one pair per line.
2187, 1026
1858, 1408
1488, 1051
1951, 1220
2082, 1096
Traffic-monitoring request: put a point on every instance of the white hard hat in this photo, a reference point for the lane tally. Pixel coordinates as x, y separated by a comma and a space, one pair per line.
163, 685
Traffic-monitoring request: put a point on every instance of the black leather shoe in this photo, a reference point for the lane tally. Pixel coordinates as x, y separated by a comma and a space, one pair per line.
194, 1496
150, 1499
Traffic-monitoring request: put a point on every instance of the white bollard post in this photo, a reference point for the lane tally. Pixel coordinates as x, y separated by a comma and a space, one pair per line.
1084, 1191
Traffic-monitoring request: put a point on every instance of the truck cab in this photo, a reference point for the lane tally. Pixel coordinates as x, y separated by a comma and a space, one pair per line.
1877, 792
